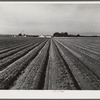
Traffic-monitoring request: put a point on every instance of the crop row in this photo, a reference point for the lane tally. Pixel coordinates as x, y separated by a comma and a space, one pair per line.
11, 72
33, 76
90, 45
51, 64
90, 59
85, 77
13, 56
10, 42
58, 75
15, 50
16, 46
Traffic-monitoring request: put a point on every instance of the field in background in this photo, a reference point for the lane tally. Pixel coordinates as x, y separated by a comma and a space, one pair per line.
71, 63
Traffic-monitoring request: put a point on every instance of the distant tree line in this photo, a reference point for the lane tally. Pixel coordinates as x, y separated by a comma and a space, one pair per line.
26, 35
64, 34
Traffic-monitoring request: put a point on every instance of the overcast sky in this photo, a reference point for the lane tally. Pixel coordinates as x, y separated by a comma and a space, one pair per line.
31, 18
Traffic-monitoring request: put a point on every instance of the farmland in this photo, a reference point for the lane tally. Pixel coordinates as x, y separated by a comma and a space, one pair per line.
71, 63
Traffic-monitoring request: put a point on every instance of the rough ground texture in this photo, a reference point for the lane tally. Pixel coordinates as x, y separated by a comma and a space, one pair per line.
50, 64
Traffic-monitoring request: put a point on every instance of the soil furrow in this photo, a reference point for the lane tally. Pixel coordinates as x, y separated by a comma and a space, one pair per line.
91, 53
11, 52
9, 74
19, 45
84, 43
34, 75
58, 75
85, 77
10, 59
92, 63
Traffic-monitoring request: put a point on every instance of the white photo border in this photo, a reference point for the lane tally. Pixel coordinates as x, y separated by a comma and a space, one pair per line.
50, 94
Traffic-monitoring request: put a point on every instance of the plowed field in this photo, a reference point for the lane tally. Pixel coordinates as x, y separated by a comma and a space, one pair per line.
29, 63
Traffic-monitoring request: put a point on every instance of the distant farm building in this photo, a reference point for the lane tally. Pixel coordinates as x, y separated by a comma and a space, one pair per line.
48, 36
42, 36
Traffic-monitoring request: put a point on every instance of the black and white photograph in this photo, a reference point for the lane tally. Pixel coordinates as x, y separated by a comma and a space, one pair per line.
49, 46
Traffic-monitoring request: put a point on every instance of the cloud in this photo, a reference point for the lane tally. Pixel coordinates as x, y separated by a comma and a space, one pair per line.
48, 18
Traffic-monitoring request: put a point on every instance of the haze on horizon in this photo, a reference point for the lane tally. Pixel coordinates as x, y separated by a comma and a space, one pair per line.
32, 18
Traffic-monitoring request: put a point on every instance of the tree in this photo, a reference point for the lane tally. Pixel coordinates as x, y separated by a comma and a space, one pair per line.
20, 34
62, 34
56, 34
66, 34
78, 35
